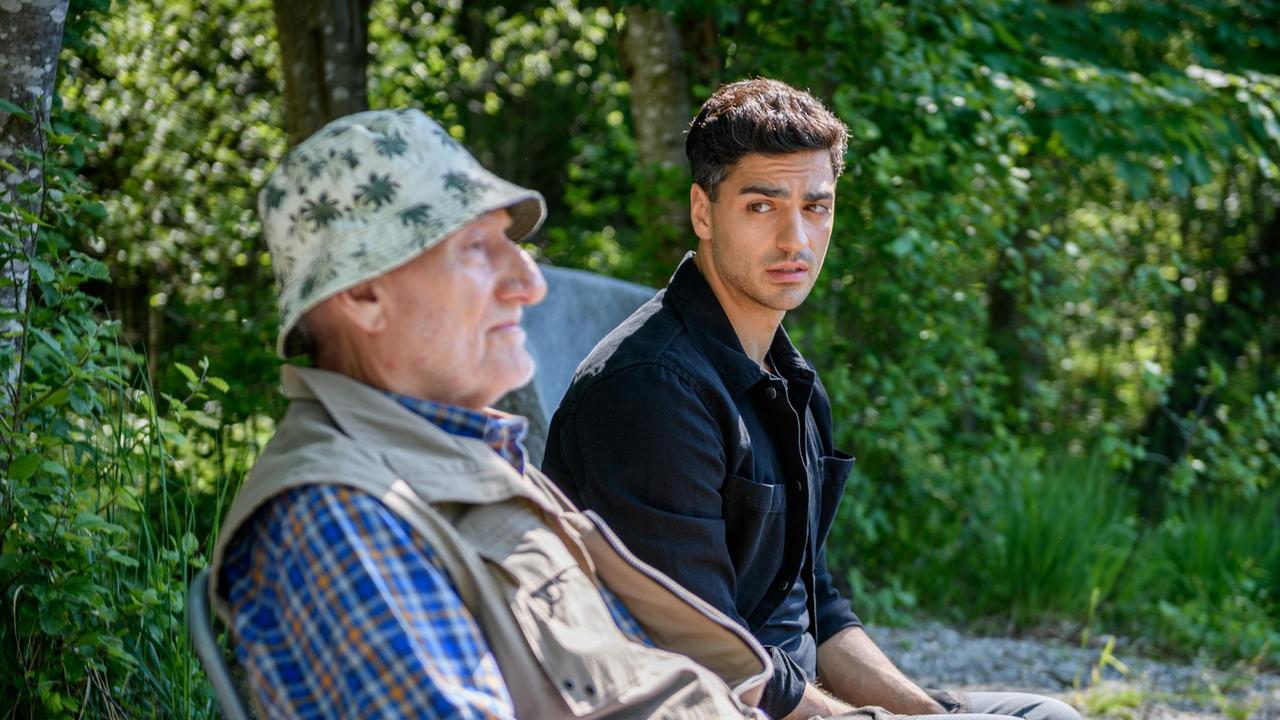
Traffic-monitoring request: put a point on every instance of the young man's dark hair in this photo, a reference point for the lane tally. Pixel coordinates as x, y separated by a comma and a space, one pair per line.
759, 116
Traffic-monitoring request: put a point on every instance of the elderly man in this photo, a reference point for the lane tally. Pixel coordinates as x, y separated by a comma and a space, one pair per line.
698, 416
391, 555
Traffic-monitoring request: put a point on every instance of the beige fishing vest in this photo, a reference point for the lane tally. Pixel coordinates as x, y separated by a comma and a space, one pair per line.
526, 563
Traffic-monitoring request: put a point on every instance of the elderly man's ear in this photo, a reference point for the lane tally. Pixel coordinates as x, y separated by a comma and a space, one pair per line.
363, 307
342, 324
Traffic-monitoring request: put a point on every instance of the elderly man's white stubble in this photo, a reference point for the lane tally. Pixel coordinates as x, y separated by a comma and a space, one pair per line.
445, 326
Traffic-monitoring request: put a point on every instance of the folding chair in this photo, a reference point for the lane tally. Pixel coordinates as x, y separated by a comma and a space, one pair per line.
200, 623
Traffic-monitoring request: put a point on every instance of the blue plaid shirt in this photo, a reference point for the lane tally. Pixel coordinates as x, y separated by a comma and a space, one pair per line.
340, 609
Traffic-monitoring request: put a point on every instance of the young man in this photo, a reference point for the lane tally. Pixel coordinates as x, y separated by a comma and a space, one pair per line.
391, 555
704, 438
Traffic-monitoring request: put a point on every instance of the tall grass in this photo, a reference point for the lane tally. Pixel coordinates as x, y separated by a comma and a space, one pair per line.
1218, 583
1058, 544
1045, 543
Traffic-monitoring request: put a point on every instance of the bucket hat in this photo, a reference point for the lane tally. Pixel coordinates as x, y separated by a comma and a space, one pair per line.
366, 194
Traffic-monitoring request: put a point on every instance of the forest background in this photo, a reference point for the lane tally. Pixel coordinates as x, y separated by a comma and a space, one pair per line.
1048, 320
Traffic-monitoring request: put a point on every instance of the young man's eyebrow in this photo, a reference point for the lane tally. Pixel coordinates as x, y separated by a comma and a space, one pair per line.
783, 193
765, 190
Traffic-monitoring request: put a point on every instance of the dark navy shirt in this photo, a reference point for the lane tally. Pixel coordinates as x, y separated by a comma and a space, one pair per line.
718, 473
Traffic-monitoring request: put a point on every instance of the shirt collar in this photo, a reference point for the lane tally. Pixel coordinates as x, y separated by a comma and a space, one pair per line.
696, 303
502, 432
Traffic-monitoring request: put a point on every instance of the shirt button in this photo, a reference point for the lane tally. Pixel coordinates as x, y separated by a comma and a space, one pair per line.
771, 393
797, 486
784, 585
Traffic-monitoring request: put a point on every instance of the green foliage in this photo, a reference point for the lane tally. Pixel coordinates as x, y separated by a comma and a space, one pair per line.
1044, 542
1219, 562
1239, 456
100, 527
1042, 253
187, 95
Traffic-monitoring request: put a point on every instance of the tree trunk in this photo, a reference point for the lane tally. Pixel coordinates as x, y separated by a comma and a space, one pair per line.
30, 39
653, 58
324, 50
1023, 358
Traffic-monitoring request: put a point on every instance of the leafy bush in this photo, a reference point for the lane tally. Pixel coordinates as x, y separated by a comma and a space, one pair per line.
100, 524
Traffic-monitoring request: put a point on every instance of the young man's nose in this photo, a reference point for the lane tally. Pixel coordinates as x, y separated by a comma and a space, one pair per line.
791, 235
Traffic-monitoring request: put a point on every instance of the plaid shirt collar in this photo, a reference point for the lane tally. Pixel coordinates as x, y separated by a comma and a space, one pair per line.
500, 431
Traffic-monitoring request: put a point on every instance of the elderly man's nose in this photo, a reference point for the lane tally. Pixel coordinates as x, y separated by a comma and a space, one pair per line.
524, 283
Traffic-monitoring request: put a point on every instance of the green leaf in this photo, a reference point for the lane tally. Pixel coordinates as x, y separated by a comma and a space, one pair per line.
218, 383
14, 110
127, 498
24, 467
49, 340
55, 399
42, 269
94, 210
90, 521
1136, 176
1006, 37
52, 623
119, 557
187, 372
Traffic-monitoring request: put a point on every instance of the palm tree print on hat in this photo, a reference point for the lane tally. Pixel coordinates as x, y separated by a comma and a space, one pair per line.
321, 211
273, 197
316, 167
350, 158
424, 226
466, 188
392, 145
379, 191
323, 271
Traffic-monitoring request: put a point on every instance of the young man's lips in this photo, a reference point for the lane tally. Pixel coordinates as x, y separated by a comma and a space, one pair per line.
788, 273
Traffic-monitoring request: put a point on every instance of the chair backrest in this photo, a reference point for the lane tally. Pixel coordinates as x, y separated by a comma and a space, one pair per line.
580, 309
200, 623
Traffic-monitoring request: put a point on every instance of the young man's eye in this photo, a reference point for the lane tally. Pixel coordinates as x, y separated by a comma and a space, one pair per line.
759, 207
819, 209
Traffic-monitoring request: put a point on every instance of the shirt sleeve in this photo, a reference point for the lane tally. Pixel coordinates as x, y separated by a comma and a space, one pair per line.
645, 453
341, 610
834, 612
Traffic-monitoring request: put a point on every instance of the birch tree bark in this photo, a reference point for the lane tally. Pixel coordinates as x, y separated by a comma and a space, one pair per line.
30, 38
653, 57
324, 49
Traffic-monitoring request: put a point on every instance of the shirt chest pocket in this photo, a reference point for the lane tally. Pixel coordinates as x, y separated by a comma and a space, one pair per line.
561, 613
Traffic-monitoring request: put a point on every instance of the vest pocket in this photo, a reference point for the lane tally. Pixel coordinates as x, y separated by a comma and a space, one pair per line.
564, 620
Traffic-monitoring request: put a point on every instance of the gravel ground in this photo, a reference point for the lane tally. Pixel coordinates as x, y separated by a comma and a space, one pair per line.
935, 655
